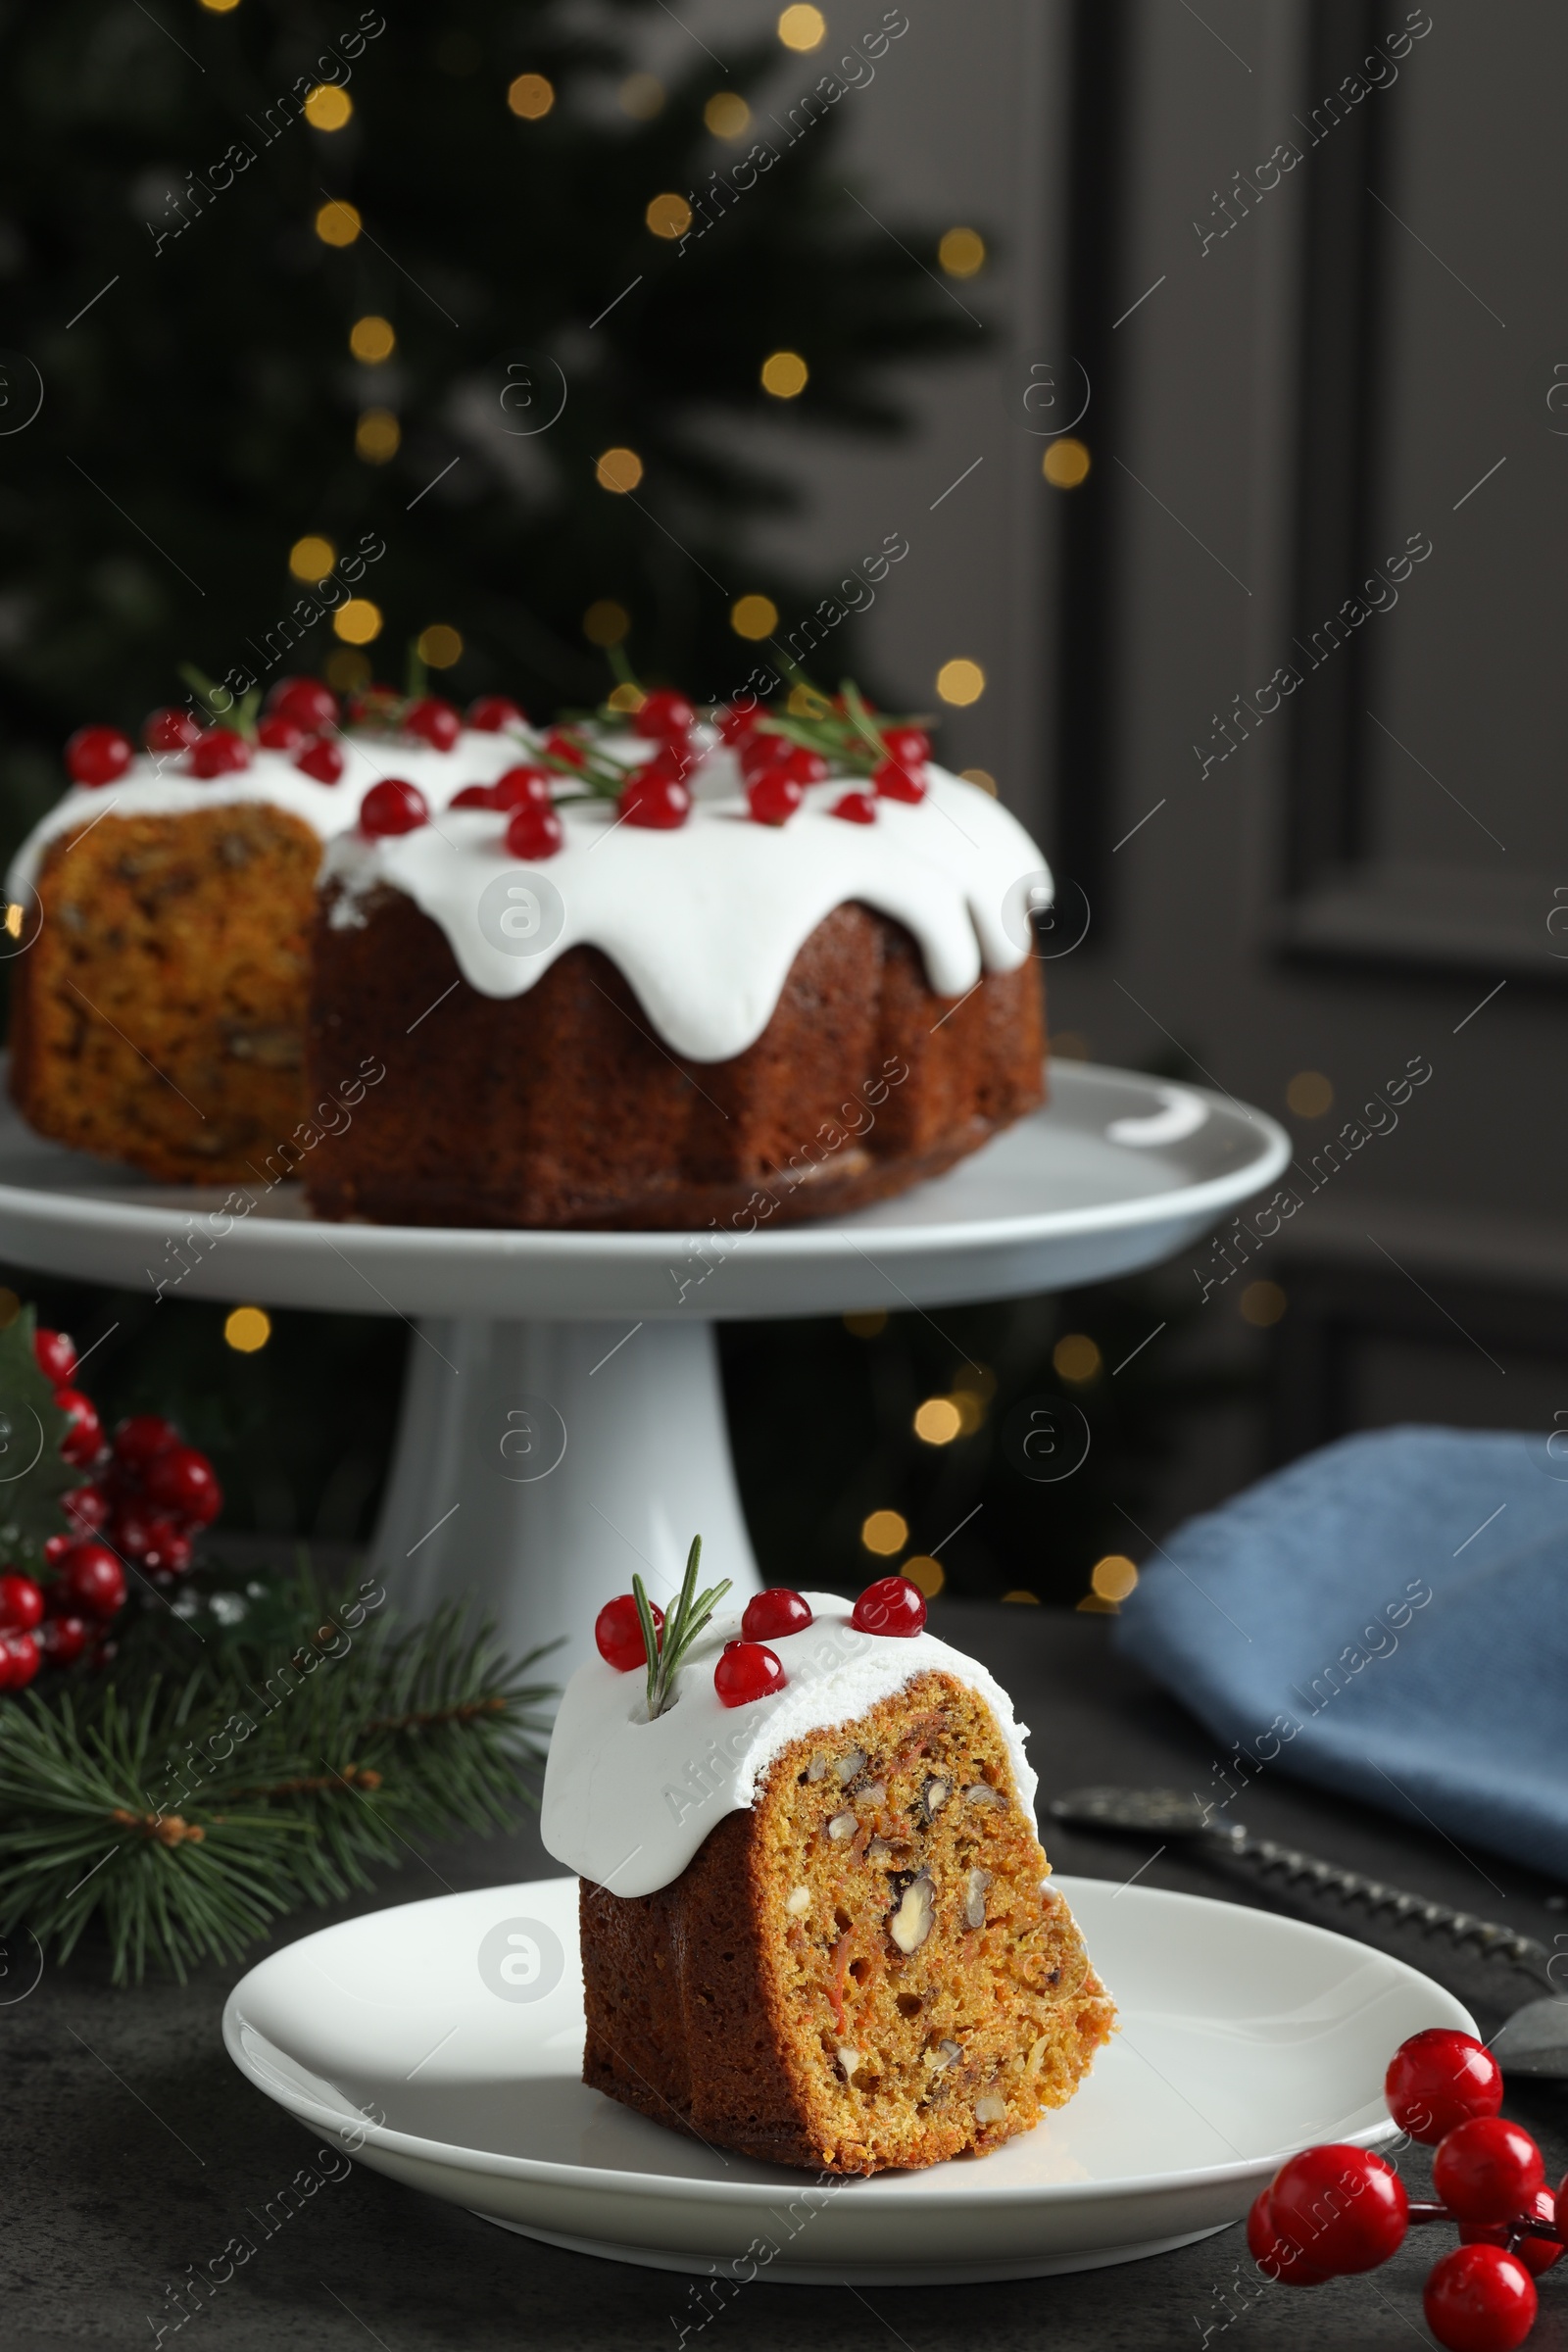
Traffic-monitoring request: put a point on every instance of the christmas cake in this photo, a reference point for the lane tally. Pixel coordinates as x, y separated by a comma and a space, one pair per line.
649, 970
816, 1922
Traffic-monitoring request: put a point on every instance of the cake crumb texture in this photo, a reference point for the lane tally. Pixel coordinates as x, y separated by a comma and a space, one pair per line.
159, 1016
868, 1970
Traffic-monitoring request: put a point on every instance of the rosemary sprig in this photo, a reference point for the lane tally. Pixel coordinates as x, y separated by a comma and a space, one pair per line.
845, 731
685, 1621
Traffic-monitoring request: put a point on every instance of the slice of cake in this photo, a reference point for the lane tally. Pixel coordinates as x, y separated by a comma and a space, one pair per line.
817, 1922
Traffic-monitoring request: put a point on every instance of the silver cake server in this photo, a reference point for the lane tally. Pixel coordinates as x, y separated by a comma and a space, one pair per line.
1534, 2039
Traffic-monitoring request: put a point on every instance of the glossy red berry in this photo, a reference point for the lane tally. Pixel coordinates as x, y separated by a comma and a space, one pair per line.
19, 1660
185, 1481
473, 796
493, 714
130, 1531
55, 1352
1439, 2078
735, 724
434, 723
220, 751
1487, 2169
534, 832
656, 800
84, 1438
92, 1581
1538, 2254
20, 1604
779, 1610
1479, 2299
806, 766
141, 1440
1273, 2257
618, 1633
663, 714
393, 806
562, 744
892, 1605
855, 808
891, 782
307, 701
746, 1671
523, 787
55, 1547
773, 797
167, 1549
759, 750
170, 730
321, 760
97, 755
278, 734
1342, 2208
86, 1509
910, 747
63, 1639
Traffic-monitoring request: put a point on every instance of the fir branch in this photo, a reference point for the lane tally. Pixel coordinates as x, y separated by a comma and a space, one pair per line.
666, 1650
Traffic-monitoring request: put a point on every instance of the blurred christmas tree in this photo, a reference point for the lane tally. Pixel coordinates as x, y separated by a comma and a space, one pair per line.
293, 280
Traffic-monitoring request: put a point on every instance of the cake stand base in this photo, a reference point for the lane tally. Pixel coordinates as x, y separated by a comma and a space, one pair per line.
540, 1465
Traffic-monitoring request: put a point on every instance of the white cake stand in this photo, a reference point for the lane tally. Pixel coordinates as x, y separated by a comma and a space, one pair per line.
563, 1422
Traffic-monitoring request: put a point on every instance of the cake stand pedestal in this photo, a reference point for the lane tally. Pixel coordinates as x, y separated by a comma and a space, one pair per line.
563, 1422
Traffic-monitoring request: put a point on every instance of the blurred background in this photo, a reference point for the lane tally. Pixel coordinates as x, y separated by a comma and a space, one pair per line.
1219, 417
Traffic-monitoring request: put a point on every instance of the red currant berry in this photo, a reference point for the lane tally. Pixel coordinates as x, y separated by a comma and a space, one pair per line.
434, 723
522, 788
1273, 2257
473, 796
493, 714
55, 1548
83, 1439
779, 1610
185, 1481
534, 833
656, 800
1342, 2208
855, 808
92, 1582
735, 724
663, 714
773, 797
307, 701
97, 755
1538, 2254
321, 760
63, 1639
892, 1605
141, 1440
167, 1549
20, 1604
892, 782
910, 747
806, 766
132, 1531
747, 1671
392, 806
219, 753
1439, 2078
19, 1660
1487, 2169
55, 1354
562, 744
86, 1509
758, 752
1479, 2299
286, 735
170, 730
618, 1633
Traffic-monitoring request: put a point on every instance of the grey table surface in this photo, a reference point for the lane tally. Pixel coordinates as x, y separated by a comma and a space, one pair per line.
133, 2149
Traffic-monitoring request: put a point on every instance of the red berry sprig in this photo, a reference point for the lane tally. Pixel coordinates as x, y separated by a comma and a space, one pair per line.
1333, 2210
618, 1633
892, 1605
392, 806
494, 714
778, 1611
746, 1671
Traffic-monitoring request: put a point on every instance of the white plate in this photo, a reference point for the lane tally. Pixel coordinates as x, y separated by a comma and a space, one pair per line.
1242, 2036
1117, 1172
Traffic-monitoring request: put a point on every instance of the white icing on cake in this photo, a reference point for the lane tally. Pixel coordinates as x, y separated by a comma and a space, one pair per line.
706, 921
628, 1803
160, 787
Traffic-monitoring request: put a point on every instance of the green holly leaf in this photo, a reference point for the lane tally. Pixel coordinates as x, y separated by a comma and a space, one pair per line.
34, 1473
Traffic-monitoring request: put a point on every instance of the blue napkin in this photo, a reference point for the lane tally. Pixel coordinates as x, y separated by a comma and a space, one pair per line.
1389, 1618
